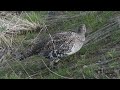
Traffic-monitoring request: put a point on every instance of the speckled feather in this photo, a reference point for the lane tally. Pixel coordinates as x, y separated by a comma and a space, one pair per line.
61, 44
58, 45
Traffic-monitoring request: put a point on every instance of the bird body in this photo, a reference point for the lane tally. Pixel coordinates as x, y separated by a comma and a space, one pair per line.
63, 44
58, 45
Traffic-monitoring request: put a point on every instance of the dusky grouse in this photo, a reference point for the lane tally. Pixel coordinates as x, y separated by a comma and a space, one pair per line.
58, 45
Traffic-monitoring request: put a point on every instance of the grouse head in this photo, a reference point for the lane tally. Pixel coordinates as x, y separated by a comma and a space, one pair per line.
82, 29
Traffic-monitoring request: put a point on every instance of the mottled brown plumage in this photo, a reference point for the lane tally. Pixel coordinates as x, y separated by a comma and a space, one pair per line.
58, 45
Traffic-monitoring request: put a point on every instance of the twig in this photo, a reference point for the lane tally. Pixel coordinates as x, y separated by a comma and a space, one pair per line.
101, 63
54, 72
12, 69
24, 69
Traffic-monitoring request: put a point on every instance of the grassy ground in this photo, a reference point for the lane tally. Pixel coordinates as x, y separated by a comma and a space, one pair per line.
98, 59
